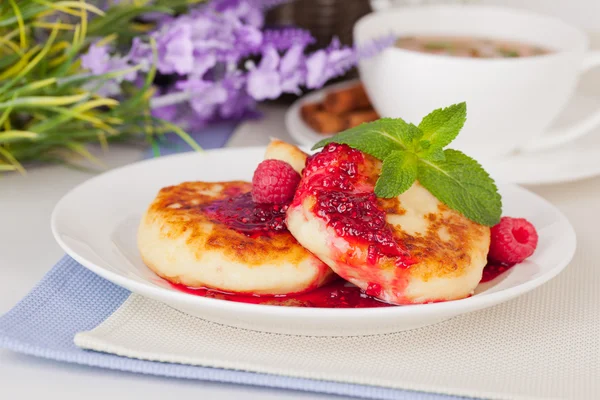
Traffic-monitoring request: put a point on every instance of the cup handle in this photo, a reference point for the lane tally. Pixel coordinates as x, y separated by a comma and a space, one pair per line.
552, 139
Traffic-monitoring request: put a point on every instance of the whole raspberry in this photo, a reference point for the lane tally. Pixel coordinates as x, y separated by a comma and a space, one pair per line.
274, 182
512, 240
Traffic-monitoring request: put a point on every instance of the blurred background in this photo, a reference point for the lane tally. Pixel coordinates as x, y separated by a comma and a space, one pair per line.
327, 18
323, 17
86, 70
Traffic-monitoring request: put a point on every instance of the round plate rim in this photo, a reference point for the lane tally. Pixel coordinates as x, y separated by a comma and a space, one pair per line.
455, 306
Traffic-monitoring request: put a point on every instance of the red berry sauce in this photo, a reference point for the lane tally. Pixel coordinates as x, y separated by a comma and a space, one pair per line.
494, 270
337, 294
346, 201
242, 214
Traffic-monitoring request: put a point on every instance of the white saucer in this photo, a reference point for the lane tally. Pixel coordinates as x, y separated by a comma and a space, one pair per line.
96, 224
299, 130
574, 161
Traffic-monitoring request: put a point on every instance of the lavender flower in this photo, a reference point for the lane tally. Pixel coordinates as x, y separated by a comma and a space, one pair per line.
176, 49
276, 75
323, 65
244, 11
206, 96
140, 54
98, 61
283, 39
259, 5
203, 52
168, 113
264, 81
376, 46
240, 104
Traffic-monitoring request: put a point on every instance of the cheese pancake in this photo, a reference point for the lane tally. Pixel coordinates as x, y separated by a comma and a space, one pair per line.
211, 234
405, 250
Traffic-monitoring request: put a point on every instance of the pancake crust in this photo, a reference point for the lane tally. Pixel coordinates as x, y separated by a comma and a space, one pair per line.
185, 244
181, 242
449, 250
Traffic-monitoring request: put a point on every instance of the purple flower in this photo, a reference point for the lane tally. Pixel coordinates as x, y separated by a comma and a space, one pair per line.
316, 65
242, 10
222, 35
292, 69
264, 81
283, 39
249, 11
375, 46
98, 61
140, 54
276, 75
206, 96
203, 52
248, 36
175, 49
239, 105
323, 65
168, 113
203, 63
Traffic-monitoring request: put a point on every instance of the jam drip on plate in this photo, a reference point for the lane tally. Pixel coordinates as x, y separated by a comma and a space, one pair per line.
492, 271
339, 179
337, 294
242, 214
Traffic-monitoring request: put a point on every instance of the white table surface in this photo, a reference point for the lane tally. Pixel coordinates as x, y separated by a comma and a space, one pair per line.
28, 251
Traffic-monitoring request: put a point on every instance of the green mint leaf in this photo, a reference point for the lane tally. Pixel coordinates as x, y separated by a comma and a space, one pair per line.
378, 138
463, 185
441, 126
398, 173
413, 134
424, 144
412, 153
432, 154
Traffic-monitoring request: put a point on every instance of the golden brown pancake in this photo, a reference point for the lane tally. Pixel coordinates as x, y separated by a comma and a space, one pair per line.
404, 250
195, 234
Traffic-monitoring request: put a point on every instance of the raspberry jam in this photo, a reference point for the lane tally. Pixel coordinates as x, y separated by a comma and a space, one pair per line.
337, 294
245, 216
492, 271
346, 201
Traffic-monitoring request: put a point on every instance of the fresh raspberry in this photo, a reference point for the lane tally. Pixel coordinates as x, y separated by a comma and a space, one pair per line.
274, 182
512, 240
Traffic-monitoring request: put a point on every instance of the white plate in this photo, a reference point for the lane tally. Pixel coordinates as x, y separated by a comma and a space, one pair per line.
574, 161
96, 224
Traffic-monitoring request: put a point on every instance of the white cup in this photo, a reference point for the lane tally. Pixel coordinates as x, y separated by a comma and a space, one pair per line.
511, 102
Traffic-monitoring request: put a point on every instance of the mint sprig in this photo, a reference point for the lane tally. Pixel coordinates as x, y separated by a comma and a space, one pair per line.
410, 153
398, 173
442, 126
462, 184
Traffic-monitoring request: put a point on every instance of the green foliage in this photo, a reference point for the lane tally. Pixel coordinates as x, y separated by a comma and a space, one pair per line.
48, 106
